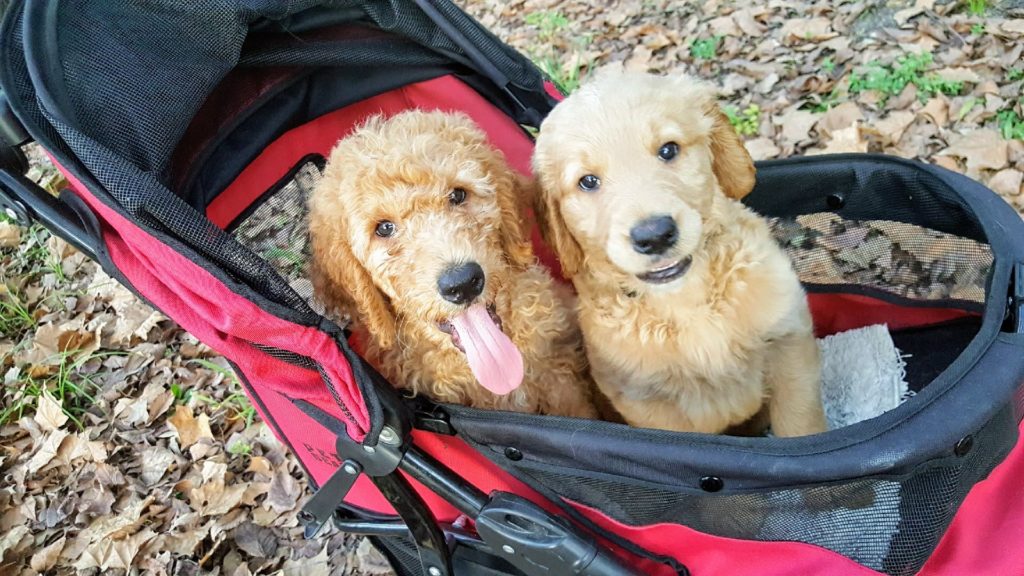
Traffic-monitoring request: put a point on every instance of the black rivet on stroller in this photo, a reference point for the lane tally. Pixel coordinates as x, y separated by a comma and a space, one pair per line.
835, 201
513, 453
711, 484
964, 446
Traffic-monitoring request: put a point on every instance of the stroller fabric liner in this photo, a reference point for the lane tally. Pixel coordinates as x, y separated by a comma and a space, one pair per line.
192, 139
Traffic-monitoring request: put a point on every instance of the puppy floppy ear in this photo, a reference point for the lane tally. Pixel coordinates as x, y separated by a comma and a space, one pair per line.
339, 279
556, 234
730, 161
341, 282
514, 193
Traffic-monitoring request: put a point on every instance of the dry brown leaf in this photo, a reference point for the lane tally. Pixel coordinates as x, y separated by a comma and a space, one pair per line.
1013, 27
762, 148
1006, 182
947, 162
840, 117
936, 110
284, 492
155, 462
315, 566
867, 252
982, 150
189, 428
108, 554
902, 17
371, 561
724, 26
10, 539
1017, 153
796, 125
47, 450
798, 30
256, 541
260, 466
118, 525
849, 239
46, 558
213, 497
78, 447
892, 126
49, 412
640, 59
846, 140
959, 75
131, 411
10, 235
747, 23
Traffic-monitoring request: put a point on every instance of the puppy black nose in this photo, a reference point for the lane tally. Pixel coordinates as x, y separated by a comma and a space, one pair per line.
462, 283
654, 235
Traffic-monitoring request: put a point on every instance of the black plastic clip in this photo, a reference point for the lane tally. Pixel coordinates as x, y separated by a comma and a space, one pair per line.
379, 460
430, 417
538, 543
1014, 321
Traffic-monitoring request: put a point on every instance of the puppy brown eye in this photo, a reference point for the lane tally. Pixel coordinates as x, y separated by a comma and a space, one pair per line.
385, 228
668, 151
458, 196
590, 183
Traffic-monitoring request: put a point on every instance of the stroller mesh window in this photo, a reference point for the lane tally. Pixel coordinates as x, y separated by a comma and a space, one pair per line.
276, 227
900, 259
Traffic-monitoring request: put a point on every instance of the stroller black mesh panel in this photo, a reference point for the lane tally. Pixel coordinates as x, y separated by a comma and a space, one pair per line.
894, 257
277, 230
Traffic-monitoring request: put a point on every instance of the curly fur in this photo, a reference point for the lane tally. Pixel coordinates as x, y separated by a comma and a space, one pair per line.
403, 169
708, 351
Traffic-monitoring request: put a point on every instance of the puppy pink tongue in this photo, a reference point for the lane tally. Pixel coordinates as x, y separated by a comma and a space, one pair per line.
493, 358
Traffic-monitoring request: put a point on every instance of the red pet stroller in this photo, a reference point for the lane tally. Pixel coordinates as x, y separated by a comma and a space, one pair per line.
191, 136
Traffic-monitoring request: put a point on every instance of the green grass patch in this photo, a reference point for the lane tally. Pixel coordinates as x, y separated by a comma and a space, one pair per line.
15, 318
827, 102
968, 105
547, 23
71, 386
747, 122
705, 48
557, 65
977, 7
891, 79
235, 403
240, 448
1011, 125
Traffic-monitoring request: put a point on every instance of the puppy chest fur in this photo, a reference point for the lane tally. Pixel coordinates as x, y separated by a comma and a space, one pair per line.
696, 359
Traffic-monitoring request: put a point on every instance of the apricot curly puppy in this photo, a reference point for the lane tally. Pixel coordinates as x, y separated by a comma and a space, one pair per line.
693, 317
417, 231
